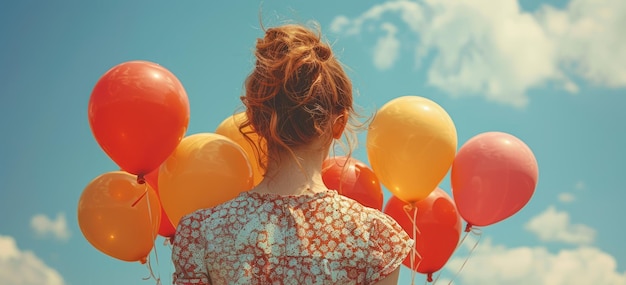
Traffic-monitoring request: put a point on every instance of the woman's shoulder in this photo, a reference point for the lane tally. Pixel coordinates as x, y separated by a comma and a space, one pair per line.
355, 206
194, 218
363, 215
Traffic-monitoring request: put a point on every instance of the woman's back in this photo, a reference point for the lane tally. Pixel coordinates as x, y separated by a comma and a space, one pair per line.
320, 238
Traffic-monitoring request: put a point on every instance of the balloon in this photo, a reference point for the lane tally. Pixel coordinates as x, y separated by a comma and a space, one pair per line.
353, 179
230, 129
152, 178
138, 113
166, 229
437, 229
119, 216
205, 170
411, 144
493, 176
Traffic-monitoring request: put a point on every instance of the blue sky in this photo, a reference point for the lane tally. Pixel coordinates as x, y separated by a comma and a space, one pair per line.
552, 73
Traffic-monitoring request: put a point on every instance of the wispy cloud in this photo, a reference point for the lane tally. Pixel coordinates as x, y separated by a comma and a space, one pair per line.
555, 226
566, 197
497, 264
23, 267
44, 226
387, 48
496, 49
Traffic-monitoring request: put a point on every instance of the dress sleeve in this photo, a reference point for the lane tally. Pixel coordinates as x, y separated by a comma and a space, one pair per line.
188, 252
388, 246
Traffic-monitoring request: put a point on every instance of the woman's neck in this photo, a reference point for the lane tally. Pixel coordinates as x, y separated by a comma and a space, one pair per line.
297, 175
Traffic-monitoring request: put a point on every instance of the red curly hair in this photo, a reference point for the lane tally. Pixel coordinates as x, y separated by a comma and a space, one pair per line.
294, 91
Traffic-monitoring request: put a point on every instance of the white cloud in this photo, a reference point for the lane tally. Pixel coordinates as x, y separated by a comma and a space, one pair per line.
490, 48
387, 47
44, 226
497, 50
339, 24
590, 38
566, 197
410, 12
496, 264
19, 267
552, 225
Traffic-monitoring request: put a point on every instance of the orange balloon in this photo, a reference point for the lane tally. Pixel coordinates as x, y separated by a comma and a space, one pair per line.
230, 129
119, 216
205, 170
411, 144
138, 113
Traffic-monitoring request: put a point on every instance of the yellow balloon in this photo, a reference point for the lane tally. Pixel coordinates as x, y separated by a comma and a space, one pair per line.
205, 170
119, 216
230, 129
411, 143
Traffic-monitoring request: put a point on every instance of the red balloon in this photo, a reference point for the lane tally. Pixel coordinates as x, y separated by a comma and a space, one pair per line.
493, 176
166, 228
437, 229
353, 179
152, 178
138, 113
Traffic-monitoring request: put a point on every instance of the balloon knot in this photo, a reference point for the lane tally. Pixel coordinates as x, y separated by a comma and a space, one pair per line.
141, 179
410, 206
468, 227
429, 277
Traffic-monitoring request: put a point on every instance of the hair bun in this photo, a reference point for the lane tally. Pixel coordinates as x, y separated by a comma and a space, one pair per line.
322, 52
273, 46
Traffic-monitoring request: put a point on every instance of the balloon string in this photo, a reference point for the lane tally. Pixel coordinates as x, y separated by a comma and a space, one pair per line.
437, 278
476, 232
468, 228
157, 278
413, 218
141, 197
167, 242
152, 276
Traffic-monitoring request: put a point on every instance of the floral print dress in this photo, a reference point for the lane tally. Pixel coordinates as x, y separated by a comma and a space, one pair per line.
321, 238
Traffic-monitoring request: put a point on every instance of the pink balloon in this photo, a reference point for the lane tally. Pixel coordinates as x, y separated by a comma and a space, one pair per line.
494, 175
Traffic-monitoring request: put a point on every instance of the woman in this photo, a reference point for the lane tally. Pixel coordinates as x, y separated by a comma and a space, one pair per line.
291, 229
